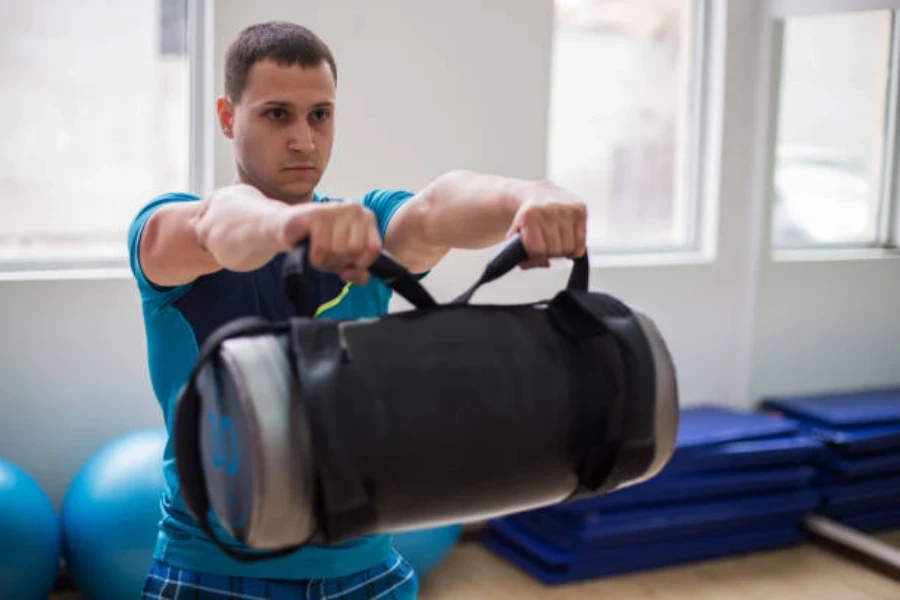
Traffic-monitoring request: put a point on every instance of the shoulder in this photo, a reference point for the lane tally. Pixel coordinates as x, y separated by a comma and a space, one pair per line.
136, 228
147, 209
140, 218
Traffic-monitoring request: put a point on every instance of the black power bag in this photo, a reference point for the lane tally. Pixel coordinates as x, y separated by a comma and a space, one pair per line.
319, 431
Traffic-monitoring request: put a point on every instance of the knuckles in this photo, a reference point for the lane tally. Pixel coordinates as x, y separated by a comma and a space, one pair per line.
343, 234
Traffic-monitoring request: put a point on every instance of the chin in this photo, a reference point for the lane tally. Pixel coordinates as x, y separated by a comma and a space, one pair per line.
289, 187
296, 192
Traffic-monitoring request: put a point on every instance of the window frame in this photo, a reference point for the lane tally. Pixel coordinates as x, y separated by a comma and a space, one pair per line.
199, 25
886, 241
708, 110
692, 196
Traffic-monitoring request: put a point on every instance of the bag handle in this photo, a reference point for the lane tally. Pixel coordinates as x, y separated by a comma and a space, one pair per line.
296, 273
301, 291
513, 254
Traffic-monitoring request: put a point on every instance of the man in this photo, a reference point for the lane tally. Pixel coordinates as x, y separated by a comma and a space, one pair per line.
201, 262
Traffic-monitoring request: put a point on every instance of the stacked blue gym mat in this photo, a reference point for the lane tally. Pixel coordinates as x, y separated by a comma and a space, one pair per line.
859, 474
738, 482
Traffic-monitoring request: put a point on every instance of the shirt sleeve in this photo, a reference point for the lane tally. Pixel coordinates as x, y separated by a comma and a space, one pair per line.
384, 203
151, 292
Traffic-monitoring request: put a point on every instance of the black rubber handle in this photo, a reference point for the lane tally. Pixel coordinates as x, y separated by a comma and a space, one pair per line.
304, 296
513, 254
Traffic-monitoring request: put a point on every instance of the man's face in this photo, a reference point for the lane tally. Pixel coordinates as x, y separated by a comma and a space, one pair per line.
283, 128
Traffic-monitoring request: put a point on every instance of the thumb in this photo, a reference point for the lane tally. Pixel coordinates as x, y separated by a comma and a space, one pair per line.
295, 227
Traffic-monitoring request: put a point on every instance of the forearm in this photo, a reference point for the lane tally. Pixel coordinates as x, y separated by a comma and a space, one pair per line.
244, 230
460, 209
469, 210
232, 228
239, 227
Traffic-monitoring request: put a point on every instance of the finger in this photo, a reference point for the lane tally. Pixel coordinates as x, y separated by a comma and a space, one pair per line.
295, 228
340, 234
552, 237
355, 241
355, 275
566, 231
320, 244
581, 237
534, 263
533, 240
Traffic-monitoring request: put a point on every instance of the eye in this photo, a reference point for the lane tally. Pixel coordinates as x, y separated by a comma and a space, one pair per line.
277, 114
319, 115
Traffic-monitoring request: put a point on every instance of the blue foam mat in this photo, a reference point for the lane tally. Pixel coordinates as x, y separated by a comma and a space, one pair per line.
573, 531
794, 449
710, 425
883, 465
552, 566
841, 409
859, 489
873, 521
713, 438
667, 489
857, 442
862, 505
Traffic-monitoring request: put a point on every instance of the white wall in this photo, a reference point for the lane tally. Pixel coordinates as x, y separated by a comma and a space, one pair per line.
827, 325
430, 86
72, 373
823, 320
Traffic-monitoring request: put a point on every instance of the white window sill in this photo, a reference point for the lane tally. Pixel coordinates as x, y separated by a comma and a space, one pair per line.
61, 270
795, 255
624, 260
15, 271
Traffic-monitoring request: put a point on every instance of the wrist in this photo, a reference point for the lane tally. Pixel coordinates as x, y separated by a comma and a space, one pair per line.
277, 222
519, 193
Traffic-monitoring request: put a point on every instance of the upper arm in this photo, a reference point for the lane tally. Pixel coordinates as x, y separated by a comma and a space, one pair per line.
401, 219
164, 253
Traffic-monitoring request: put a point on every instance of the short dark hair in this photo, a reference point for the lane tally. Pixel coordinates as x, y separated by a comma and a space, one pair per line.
283, 42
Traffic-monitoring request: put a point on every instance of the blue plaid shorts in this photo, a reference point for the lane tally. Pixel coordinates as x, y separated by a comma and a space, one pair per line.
391, 580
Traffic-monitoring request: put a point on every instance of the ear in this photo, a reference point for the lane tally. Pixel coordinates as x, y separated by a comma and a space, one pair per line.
225, 110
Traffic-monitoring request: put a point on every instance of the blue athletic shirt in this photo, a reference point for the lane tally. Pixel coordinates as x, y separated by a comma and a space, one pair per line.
177, 320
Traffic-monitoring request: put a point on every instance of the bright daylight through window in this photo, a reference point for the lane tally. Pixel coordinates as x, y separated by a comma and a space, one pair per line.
95, 95
622, 125
832, 133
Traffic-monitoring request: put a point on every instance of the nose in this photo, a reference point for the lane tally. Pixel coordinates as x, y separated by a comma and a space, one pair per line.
301, 139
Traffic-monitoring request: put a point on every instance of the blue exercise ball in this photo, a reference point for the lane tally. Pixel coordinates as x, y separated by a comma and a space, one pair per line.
29, 537
425, 549
110, 516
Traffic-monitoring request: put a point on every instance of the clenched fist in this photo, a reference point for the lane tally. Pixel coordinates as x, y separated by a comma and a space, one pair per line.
552, 223
343, 237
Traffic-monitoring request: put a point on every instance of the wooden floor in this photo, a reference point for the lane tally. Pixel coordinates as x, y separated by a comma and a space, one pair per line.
804, 572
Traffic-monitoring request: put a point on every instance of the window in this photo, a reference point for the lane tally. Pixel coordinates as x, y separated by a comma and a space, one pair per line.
833, 171
623, 118
96, 107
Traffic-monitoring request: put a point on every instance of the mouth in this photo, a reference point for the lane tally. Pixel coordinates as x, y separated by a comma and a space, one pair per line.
299, 168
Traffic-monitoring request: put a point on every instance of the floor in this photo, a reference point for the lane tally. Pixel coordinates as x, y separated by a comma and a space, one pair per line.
805, 572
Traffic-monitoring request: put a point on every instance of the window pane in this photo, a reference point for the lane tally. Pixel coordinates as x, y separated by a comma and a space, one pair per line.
831, 129
619, 131
95, 100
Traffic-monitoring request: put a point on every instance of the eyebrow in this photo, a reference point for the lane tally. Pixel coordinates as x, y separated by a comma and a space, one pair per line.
289, 105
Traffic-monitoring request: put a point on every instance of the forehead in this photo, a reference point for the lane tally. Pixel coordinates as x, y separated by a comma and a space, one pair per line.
268, 81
